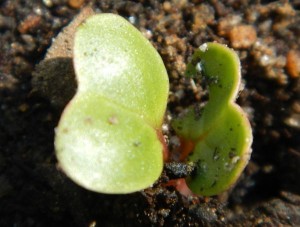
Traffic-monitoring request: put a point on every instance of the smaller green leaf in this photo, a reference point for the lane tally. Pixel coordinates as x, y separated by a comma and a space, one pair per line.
221, 132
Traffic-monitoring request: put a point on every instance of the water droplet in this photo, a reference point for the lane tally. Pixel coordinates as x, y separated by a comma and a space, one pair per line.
216, 155
213, 80
228, 166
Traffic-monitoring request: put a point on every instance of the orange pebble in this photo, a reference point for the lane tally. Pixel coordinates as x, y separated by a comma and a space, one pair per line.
76, 4
242, 36
31, 22
293, 63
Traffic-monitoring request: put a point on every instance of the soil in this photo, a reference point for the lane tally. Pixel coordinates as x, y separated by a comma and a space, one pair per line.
34, 192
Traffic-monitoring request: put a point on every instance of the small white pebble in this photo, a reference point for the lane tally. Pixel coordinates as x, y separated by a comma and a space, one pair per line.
257, 44
193, 84
165, 128
147, 33
48, 3
265, 60
293, 121
203, 47
199, 67
93, 224
38, 11
132, 19
169, 117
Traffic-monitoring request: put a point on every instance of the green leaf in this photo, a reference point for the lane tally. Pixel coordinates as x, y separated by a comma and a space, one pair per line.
112, 58
221, 132
107, 139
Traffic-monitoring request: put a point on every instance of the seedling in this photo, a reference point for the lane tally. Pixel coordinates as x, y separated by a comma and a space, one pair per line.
109, 137
219, 136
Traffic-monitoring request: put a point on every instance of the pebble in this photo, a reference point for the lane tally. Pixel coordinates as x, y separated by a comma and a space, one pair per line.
6, 22
48, 3
242, 36
293, 121
296, 107
203, 15
76, 4
30, 23
24, 107
273, 64
7, 81
293, 63
29, 42
225, 24
167, 6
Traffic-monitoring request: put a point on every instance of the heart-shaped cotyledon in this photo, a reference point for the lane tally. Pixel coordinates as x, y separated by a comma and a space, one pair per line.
108, 139
219, 136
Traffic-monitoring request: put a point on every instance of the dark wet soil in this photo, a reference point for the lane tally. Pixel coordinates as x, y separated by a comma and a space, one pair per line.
34, 192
